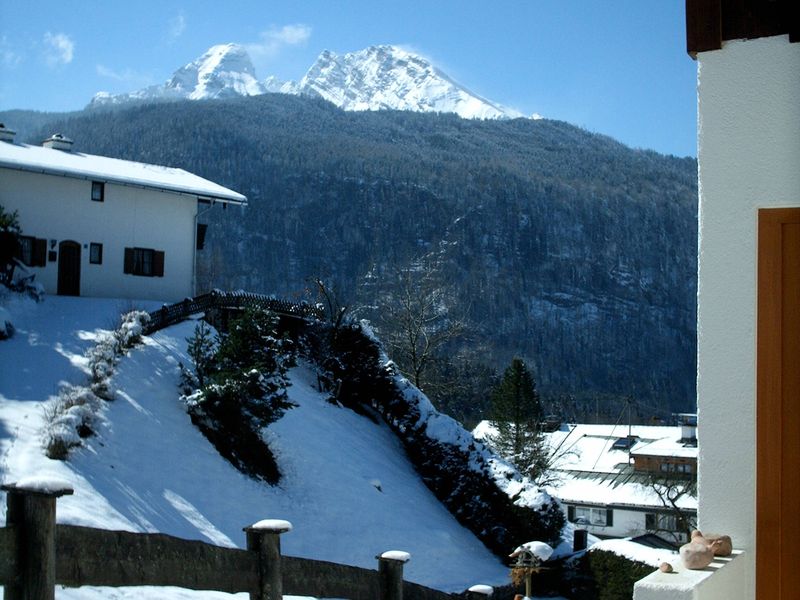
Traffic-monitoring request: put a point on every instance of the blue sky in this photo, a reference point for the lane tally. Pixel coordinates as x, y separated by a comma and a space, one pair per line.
617, 67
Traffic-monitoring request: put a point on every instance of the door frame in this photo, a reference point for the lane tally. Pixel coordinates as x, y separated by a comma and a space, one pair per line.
69, 280
778, 403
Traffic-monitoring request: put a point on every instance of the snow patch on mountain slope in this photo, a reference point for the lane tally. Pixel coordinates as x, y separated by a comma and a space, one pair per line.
150, 469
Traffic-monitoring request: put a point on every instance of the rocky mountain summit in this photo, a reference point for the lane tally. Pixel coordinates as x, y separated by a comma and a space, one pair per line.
224, 71
376, 78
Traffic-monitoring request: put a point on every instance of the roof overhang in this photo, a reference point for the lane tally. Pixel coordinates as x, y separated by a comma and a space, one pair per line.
116, 171
711, 22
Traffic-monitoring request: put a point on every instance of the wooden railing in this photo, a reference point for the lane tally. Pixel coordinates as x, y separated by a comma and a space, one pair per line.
36, 554
169, 314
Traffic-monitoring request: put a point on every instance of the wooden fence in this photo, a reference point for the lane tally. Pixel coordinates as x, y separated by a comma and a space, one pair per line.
169, 314
36, 554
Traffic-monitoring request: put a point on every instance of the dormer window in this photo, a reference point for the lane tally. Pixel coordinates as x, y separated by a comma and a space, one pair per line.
98, 191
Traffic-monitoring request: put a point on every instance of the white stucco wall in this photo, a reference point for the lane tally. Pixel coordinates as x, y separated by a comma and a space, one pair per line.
60, 208
749, 158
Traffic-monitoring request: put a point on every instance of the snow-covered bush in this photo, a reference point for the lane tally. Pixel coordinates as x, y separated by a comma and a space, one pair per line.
70, 417
6, 324
73, 414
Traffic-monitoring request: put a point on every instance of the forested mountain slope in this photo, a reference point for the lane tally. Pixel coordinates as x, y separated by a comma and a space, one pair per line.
561, 246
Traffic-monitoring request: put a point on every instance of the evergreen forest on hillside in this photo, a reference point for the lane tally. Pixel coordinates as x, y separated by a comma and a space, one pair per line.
541, 240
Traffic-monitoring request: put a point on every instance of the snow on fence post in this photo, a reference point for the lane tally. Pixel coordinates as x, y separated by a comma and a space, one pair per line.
31, 509
480, 592
390, 574
264, 537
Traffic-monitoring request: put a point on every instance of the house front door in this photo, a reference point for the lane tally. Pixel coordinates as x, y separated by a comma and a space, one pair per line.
69, 269
778, 405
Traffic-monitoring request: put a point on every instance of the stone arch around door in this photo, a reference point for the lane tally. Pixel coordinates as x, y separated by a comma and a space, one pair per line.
69, 268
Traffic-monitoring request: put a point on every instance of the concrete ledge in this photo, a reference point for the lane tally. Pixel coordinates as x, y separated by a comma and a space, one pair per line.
724, 579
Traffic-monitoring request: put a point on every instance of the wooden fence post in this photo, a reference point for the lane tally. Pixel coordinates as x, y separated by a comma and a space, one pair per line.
32, 510
390, 574
264, 538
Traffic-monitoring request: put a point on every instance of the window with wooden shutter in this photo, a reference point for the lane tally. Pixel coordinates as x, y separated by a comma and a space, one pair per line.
128, 266
609, 517
158, 263
571, 513
32, 251
39, 253
145, 262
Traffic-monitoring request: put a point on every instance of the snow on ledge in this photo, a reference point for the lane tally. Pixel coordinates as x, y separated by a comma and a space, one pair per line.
397, 555
724, 579
484, 590
41, 485
272, 526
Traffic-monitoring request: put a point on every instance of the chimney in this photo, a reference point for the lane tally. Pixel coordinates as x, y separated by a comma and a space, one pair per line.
688, 423
58, 141
6, 134
579, 540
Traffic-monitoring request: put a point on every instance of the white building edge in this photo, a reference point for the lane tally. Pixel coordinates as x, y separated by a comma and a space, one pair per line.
748, 64
99, 226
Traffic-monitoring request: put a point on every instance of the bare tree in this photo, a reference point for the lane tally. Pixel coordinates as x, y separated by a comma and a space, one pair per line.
327, 295
417, 322
670, 489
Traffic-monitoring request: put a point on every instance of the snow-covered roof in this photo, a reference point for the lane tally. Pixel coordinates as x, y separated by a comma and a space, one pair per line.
37, 159
591, 472
631, 490
590, 447
666, 447
633, 551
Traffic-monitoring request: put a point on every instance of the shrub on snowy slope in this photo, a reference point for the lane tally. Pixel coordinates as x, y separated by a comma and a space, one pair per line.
73, 414
244, 389
486, 494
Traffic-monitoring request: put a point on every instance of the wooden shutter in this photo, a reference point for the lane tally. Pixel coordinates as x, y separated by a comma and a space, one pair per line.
39, 257
609, 517
158, 263
570, 513
128, 267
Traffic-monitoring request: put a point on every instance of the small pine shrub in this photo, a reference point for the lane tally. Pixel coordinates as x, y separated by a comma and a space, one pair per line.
242, 381
201, 349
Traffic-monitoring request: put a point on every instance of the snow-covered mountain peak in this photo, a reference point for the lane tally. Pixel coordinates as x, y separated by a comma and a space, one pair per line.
390, 77
380, 77
223, 71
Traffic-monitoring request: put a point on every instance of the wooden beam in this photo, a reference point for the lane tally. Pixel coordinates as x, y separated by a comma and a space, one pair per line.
703, 26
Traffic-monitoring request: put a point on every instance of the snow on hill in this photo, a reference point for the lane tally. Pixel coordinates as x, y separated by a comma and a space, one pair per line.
347, 485
224, 71
376, 78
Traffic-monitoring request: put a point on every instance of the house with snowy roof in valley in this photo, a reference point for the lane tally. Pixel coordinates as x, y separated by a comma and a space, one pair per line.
618, 481
105, 227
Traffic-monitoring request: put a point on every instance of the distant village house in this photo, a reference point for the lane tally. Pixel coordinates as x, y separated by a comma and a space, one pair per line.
105, 227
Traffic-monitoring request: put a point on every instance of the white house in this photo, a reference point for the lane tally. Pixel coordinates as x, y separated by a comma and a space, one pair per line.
611, 484
607, 481
748, 322
99, 226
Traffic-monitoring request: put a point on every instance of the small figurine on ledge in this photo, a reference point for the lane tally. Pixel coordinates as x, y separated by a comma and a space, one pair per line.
701, 550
